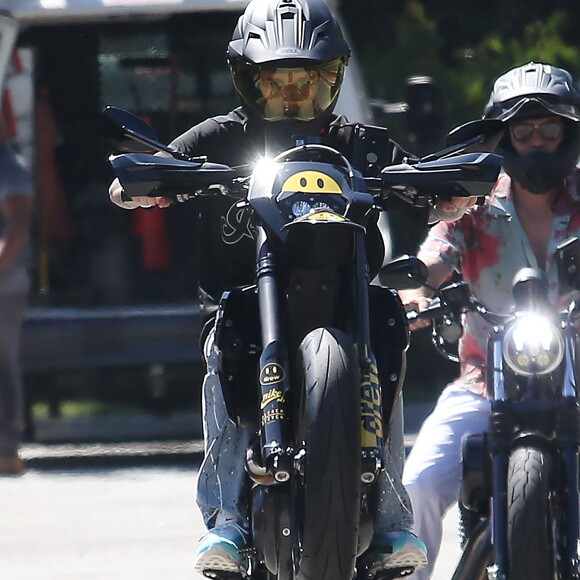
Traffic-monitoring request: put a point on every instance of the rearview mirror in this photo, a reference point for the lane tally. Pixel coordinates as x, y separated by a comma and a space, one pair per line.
403, 273
481, 134
129, 132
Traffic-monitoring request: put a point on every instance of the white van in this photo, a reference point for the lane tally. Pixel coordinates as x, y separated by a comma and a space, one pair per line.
114, 288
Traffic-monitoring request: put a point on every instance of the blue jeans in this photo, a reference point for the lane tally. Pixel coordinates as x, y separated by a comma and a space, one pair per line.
220, 490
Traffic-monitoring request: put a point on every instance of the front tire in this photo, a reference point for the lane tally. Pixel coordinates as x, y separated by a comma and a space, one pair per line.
530, 542
329, 423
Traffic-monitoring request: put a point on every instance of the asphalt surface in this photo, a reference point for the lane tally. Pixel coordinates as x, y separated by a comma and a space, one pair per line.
112, 498
116, 523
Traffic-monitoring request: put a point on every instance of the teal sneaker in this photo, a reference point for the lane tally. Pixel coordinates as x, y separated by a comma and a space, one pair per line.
220, 551
396, 551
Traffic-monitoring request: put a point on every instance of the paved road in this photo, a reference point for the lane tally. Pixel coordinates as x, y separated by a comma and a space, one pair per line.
118, 511
136, 523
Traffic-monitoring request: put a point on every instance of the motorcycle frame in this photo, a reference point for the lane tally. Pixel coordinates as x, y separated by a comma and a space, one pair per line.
276, 457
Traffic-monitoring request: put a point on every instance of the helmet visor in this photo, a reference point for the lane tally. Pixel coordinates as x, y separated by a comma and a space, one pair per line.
537, 106
296, 93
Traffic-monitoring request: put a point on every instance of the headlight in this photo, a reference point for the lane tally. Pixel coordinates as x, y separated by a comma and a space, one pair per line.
533, 345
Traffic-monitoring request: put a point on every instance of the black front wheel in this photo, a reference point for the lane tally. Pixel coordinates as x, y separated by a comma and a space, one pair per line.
329, 424
531, 544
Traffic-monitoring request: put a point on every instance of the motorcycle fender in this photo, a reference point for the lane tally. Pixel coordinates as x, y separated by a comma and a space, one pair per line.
475, 489
321, 240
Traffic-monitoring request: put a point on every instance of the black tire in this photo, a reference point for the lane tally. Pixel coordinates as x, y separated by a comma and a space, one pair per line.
330, 424
530, 543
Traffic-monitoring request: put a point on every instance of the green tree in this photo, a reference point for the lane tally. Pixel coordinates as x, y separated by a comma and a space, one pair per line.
464, 50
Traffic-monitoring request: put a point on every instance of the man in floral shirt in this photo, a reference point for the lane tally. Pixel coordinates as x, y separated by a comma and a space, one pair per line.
535, 206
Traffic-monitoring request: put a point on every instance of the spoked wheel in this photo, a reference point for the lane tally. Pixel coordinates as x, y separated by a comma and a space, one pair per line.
531, 543
329, 423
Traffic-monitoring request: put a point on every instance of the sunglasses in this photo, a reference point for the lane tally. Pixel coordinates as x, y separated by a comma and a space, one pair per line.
549, 131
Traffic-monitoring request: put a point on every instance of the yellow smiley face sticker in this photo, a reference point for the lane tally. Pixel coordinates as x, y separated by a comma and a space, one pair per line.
311, 182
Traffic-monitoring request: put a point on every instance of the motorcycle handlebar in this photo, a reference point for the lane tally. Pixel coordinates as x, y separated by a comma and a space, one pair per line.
439, 310
466, 175
146, 175
454, 299
435, 310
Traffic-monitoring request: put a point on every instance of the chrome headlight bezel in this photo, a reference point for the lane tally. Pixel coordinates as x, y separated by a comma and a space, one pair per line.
533, 345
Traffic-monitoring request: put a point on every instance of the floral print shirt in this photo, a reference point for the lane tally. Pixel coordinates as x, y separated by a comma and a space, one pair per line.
487, 246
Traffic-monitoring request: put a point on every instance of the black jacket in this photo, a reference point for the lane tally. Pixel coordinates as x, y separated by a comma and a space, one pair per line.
225, 244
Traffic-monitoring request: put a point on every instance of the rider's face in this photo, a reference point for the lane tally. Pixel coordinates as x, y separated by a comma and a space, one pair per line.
288, 92
543, 134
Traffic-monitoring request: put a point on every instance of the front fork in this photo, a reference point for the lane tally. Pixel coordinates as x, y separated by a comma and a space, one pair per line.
278, 455
372, 436
500, 433
275, 425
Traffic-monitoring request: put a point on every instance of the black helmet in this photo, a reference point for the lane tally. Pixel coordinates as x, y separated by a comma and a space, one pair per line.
537, 90
287, 59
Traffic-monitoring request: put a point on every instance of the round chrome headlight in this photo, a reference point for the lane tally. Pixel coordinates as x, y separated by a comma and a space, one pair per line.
533, 345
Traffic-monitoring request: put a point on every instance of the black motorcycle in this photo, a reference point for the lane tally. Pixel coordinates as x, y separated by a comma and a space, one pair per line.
519, 499
299, 359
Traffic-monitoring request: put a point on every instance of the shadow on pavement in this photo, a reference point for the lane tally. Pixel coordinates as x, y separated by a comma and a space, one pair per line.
138, 439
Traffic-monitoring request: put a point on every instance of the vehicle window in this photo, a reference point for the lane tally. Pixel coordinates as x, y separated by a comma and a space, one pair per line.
173, 74
135, 71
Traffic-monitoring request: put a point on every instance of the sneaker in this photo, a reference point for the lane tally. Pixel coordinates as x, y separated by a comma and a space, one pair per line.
11, 465
399, 551
220, 551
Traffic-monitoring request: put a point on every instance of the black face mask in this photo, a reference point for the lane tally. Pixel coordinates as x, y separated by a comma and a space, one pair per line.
538, 171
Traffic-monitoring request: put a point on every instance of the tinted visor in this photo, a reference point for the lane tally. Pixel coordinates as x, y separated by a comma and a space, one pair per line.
279, 93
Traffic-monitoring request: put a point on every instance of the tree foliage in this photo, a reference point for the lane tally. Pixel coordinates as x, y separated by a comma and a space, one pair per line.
464, 47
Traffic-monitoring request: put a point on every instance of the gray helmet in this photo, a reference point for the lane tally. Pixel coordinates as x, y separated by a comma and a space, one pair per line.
537, 90
287, 59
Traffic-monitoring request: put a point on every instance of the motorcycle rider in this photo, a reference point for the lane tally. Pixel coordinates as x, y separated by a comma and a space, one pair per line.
287, 59
534, 206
